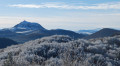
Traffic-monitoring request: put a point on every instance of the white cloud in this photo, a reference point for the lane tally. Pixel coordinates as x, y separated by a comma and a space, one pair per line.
115, 5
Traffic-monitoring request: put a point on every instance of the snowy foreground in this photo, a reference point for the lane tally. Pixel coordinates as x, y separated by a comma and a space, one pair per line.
61, 50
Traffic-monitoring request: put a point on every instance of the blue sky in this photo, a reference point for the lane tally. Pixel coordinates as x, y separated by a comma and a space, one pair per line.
64, 14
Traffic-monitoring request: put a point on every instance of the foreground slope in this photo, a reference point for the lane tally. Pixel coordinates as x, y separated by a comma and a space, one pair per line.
61, 50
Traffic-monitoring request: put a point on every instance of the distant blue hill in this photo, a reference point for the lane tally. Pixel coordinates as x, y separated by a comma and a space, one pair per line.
105, 32
88, 31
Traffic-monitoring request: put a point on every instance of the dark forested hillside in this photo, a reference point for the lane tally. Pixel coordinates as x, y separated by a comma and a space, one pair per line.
4, 42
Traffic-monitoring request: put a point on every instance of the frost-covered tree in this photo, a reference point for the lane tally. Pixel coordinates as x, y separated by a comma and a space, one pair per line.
61, 50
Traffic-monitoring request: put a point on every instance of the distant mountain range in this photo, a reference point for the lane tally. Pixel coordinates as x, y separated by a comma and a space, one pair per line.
26, 31
88, 31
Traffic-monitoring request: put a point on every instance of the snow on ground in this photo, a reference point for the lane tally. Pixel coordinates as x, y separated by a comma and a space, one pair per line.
24, 31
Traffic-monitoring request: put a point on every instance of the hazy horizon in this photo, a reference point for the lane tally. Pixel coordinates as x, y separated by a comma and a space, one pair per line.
60, 28
63, 14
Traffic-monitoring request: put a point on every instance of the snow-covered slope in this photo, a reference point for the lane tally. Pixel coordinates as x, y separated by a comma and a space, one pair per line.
29, 26
60, 50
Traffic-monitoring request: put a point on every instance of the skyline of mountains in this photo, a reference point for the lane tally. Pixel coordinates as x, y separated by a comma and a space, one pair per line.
26, 31
26, 27
83, 30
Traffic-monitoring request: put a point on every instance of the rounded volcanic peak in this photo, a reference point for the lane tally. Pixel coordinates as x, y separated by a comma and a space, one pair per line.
28, 25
